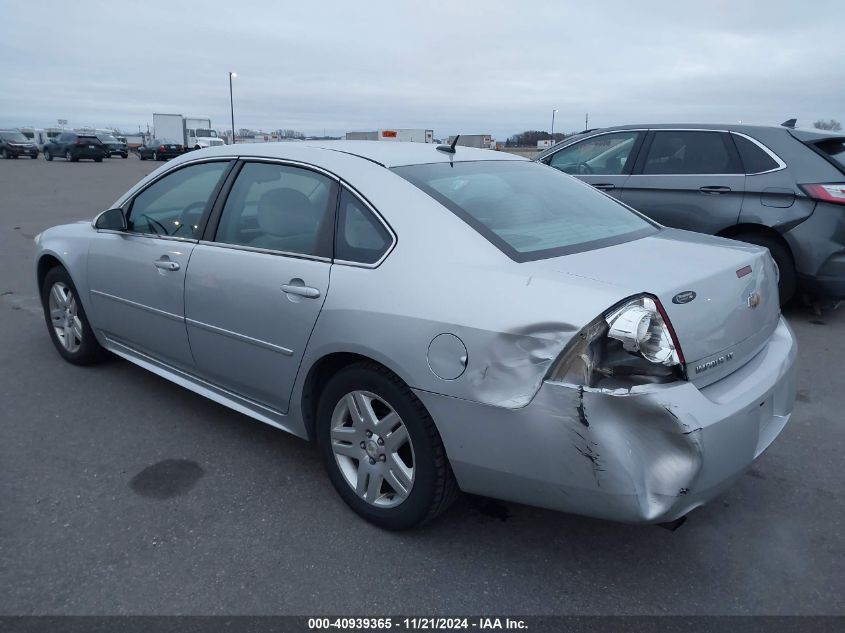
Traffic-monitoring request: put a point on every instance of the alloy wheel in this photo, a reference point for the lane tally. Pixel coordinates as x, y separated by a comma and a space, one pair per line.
64, 317
373, 449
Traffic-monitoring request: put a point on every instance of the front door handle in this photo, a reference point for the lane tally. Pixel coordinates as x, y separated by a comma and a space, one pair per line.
301, 291
714, 189
166, 264
605, 186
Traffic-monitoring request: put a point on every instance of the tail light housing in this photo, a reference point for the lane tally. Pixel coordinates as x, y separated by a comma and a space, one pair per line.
632, 343
161, 148
832, 192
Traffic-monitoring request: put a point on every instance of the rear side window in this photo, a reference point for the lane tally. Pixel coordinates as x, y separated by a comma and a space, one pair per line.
280, 208
527, 210
754, 158
678, 152
360, 238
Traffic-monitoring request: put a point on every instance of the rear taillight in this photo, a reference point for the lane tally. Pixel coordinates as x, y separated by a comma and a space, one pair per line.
834, 192
632, 343
161, 148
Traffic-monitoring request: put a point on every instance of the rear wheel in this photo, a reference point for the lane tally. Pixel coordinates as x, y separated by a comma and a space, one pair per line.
98, 160
5, 154
381, 448
66, 321
69, 156
783, 258
47, 155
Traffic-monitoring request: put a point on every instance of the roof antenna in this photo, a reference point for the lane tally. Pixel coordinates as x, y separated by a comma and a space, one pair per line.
790, 123
449, 149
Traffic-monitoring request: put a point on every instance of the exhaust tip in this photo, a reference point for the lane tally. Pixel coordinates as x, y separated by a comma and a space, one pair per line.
674, 525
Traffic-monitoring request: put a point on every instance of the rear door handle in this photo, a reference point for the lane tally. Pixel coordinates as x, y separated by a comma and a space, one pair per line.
301, 291
165, 264
605, 186
714, 189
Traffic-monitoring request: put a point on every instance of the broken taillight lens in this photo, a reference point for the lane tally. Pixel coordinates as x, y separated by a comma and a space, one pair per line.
632, 342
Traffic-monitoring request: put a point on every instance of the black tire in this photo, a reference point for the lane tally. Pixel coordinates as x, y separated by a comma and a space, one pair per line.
33, 156
434, 487
124, 155
6, 155
89, 351
141, 155
98, 160
155, 155
47, 155
783, 258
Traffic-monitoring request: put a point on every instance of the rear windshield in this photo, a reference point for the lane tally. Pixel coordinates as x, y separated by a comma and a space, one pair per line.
105, 138
835, 148
528, 210
88, 139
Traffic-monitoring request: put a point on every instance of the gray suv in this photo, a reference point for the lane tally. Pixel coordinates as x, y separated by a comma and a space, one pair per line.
774, 186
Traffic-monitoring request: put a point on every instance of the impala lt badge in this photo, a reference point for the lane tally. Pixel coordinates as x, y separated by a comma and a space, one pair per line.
683, 297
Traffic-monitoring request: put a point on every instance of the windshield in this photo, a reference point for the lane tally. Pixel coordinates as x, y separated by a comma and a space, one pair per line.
528, 210
14, 137
201, 132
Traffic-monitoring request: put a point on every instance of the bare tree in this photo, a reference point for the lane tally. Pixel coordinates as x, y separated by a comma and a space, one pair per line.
833, 125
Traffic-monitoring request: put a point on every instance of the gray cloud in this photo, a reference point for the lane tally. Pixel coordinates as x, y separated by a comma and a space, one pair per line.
470, 66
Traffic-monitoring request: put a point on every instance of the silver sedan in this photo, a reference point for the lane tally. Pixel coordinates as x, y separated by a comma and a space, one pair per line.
438, 321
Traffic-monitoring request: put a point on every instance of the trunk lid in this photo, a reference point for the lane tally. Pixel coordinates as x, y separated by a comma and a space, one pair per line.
735, 307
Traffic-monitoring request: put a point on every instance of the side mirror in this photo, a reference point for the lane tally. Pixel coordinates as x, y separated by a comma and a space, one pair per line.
112, 220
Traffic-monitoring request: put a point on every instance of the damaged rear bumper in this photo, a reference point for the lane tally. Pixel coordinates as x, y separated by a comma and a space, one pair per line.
645, 455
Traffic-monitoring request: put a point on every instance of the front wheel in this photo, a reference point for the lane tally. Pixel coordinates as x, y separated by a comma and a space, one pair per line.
787, 278
381, 448
66, 321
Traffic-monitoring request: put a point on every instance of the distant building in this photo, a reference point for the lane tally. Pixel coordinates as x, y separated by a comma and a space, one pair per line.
396, 134
483, 141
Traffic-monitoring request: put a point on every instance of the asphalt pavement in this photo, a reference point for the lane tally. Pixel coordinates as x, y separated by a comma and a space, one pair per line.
121, 493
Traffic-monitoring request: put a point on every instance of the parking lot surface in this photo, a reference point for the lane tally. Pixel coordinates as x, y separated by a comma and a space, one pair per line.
123, 493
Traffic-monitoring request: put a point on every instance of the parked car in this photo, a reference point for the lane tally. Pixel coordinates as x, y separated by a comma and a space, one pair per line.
74, 146
14, 144
773, 186
161, 149
491, 324
113, 146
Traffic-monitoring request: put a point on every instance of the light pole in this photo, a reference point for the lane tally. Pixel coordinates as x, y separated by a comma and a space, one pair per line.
232, 104
553, 126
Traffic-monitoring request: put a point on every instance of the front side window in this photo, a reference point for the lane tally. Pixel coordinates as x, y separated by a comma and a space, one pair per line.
605, 154
280, 208
174, 204
360, 237
526, 209
691, 152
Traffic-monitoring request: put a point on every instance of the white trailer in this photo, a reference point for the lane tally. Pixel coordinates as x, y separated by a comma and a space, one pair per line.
170, 127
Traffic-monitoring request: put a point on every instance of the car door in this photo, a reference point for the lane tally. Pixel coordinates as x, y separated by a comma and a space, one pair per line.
688, 179
603, 160
136, 277
257, 282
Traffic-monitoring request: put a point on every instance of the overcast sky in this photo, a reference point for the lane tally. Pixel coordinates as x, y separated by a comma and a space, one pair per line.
453, 66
